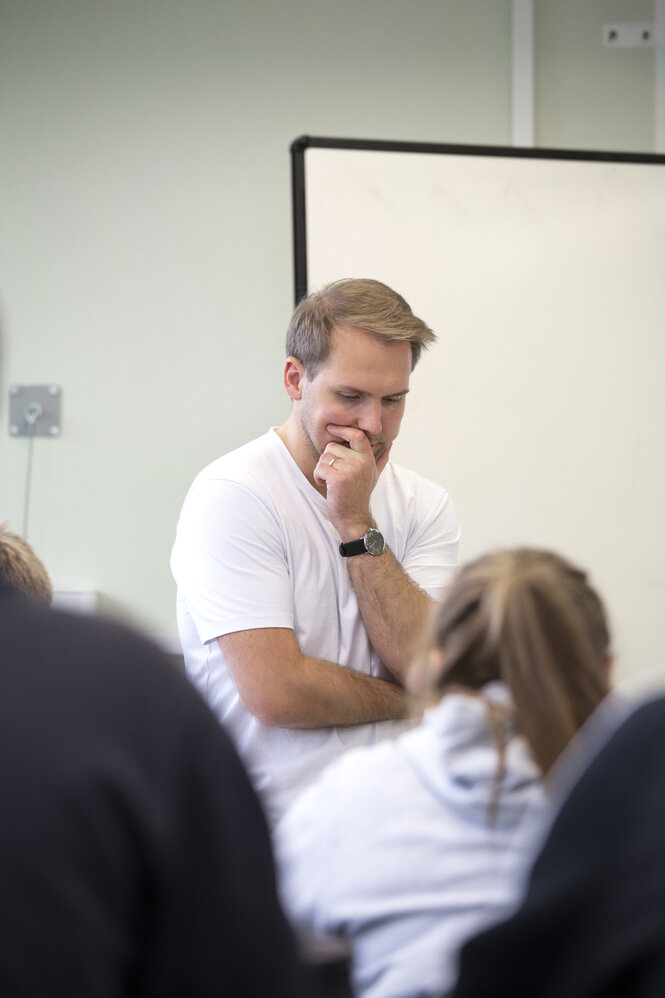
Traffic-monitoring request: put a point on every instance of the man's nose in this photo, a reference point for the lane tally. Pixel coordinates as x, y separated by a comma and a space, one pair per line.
369, 419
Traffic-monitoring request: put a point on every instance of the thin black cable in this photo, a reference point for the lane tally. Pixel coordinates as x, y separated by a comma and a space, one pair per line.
28, 481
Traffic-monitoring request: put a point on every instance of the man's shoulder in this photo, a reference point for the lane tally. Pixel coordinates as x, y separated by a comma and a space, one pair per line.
408, 485
241, 459
257, 466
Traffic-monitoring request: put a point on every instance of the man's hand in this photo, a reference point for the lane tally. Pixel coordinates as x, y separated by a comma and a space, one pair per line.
349, 471
394, 609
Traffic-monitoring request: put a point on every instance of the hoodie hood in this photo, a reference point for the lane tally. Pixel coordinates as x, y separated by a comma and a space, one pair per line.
459, 763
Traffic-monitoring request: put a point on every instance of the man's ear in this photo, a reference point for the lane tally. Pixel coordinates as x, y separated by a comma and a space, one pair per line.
294, 374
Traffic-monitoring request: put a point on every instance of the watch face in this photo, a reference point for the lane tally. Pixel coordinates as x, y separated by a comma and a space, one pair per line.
374, 541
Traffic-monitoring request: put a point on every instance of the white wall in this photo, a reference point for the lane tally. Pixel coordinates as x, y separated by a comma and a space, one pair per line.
145, 233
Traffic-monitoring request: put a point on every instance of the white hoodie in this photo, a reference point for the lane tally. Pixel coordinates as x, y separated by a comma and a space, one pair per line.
394, 847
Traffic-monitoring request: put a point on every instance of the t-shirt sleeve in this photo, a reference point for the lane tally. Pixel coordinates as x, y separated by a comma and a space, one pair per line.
432, 546
229, 561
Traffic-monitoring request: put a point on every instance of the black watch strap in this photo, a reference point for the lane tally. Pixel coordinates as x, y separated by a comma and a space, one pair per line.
372, 543
353, 547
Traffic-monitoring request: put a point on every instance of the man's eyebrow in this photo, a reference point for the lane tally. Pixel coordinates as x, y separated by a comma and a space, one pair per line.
359, 391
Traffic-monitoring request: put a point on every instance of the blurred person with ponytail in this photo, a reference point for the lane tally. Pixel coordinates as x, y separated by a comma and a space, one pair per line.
407, 849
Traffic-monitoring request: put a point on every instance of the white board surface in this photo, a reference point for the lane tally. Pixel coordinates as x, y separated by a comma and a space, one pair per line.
542, 406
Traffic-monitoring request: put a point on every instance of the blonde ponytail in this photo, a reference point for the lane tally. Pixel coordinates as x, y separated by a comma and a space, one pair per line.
531, 619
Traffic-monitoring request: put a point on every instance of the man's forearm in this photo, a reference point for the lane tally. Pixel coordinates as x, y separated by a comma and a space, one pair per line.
341, 697
394, 609
282, 687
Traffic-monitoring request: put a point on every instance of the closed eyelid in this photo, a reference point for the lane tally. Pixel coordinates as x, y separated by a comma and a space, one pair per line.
357, 396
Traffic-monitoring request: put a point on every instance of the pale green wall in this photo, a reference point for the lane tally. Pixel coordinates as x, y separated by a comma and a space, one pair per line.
145, 233
588, 96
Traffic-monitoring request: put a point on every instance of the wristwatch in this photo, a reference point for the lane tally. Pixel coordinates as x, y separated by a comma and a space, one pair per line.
371, 543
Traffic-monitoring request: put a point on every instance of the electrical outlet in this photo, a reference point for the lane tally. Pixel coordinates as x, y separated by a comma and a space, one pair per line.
628, 35
34, 410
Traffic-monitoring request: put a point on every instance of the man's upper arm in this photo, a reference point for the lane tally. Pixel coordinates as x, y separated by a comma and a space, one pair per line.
265, 665
229, 562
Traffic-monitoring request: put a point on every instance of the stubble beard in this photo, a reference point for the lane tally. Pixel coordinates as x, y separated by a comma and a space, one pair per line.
309, 440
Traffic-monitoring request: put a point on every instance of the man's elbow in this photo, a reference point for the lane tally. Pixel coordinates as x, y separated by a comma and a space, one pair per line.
398, 666
270, 709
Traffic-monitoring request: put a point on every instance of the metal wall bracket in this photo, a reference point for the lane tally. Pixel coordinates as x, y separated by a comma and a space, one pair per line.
34, 410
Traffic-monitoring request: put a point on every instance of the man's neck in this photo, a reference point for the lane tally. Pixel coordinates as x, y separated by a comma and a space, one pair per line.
291, 435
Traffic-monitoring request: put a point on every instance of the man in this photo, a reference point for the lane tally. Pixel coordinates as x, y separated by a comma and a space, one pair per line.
134, 855
306, 562
592, 922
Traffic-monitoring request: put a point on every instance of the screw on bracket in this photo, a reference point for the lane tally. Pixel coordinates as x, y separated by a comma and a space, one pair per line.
34, 410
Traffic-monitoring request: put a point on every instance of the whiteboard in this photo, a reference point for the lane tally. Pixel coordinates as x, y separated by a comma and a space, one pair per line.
541, 408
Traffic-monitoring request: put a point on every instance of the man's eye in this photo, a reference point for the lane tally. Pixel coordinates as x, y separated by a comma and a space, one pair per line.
393, 401
349, 398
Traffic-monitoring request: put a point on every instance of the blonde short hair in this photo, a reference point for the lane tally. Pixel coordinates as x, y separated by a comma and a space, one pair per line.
361, 303
21, 568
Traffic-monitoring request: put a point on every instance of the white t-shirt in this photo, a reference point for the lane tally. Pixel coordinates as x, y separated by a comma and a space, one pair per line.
255, 548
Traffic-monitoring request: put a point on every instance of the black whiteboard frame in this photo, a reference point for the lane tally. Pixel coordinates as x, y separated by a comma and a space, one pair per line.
299, 194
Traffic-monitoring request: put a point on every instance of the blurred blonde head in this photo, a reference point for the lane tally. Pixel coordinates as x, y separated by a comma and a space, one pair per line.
531, 619
21, 568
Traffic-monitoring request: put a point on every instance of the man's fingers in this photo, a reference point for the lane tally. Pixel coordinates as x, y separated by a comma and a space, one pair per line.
353, 437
